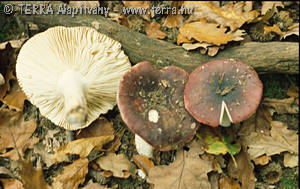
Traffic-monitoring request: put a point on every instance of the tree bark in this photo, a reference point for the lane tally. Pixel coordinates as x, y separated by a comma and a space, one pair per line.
268, 57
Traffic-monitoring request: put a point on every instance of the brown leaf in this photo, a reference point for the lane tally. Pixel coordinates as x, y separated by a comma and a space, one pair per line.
139, 4
15, 96
290, 160
82, 147
4, 171
31, 177
267, 5
15, 133
228, 183
259, 122
209, 33
244, 171
11, 183
153, 30
117, 164
186, 172
275, 28
143, 163
7, 64
173, 20
281, 140
262, 160
99, 127
231, 14
72, 175
16, 44
282, 106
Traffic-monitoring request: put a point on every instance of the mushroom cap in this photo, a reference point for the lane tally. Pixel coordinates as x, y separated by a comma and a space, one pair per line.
151, 104
96, 57
241, 88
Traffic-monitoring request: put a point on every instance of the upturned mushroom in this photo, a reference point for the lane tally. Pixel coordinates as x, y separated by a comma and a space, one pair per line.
71, 74
221, 92
151, 104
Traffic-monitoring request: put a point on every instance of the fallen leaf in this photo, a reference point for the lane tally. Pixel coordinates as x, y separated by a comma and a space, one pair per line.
117, 164
99, 127
290, 160
192, 46
293, 30
228, 183
231, 14
262, 160
173, 20
275, 28
31, 177
72, 175
145, 5
281, 140
183, 39
186, 172
16, 44
46, 157
244, 171
259, 122
82, 147
282, 106
153, 30
15, 96
11, 183
15, 133
209, 33
93, 185
267, 5
212, 51
143, 163
293, 92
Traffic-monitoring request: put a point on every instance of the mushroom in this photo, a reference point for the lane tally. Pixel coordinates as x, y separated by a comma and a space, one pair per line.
221, 92
151, 104
2, 80
71, 74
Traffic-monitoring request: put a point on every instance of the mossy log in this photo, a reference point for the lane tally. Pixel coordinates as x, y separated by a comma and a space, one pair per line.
268, 57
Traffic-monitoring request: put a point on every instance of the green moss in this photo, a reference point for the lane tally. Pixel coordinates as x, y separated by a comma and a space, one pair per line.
289, 180
277, 85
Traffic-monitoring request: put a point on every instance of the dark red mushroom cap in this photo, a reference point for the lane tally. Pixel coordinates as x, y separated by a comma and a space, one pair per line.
227, 80
151, 104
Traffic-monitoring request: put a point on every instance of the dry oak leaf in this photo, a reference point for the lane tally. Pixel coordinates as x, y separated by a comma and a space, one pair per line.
11, 183
290, 160
262, 160
143, 163
153, 30
99, 127
145, 5
281, 140
72, 175
173, 20
275, 28
15, 96
267, 5
186, 172
230, 15
209, 33
244, 171
117, 164
282, 106
81, 147
228, 183
31, 177
15, 133
93, 185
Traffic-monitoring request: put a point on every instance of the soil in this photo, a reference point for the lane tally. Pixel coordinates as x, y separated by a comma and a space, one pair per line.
275, 86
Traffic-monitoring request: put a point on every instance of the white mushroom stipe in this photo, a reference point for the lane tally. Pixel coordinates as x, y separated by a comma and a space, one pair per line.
71, 85
153, 116
2, 80
142, 147
225, 118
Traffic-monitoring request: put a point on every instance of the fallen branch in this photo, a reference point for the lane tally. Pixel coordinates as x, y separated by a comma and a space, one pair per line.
269, 57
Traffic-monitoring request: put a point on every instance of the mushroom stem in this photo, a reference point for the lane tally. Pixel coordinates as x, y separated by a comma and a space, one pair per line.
142, 147
225, 118
71, 85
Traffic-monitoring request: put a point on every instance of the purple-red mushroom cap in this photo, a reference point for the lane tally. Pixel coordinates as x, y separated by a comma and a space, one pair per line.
151, 104
221, 92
